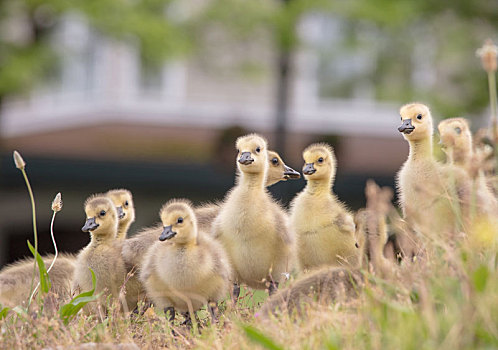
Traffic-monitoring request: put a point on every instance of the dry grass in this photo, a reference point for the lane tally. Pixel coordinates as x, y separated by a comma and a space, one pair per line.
448, 301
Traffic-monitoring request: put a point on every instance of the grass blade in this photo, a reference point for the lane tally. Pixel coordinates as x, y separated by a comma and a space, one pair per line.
4, 311
258, 337
69, 310
45, 283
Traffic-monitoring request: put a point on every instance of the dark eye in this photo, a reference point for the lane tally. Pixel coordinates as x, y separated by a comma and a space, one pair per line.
102, 213
238, 150
458, 130
179, 220
274, 161
320, 160
258, 150
126, 203
419, 117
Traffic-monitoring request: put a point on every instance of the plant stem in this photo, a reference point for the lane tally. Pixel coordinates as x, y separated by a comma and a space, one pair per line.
53, 241
55, 256
34, 230
492, 101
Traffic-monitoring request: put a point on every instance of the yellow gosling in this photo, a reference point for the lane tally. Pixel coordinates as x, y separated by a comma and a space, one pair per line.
184, 269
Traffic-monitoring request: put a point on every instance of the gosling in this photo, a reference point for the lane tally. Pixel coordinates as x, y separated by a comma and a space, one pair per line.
431, 195
184, 266
251, 226
456, 140
325, 229
102, 254
123, 200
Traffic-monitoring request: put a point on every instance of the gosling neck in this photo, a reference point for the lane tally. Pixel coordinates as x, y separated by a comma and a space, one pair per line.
461, 159
421, 149
123, 229
188, 244
102, 239
319, 186
253, 181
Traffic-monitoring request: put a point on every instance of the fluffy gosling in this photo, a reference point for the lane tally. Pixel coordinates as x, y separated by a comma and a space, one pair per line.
102, 254
325, 230
433, 197
251, 226
184, 266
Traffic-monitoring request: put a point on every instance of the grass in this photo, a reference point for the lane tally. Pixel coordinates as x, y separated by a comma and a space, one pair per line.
451, 304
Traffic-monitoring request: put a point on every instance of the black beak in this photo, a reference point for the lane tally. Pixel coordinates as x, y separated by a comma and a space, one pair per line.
290, 173
167, 233
90, 225
406, 127
121, 213
245, 158
309, 169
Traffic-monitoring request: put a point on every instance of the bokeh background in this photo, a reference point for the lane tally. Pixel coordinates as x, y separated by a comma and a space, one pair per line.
150, 95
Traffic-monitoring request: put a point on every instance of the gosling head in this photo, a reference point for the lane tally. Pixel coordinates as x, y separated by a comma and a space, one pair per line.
179, 222
278, 170
319, 162
456, 137
101, 217
123, 200
416, 122
252, 156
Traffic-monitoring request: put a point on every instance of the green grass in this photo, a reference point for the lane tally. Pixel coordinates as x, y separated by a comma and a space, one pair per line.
450, 303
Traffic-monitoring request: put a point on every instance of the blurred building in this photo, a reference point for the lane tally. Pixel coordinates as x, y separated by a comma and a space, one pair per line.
107, 120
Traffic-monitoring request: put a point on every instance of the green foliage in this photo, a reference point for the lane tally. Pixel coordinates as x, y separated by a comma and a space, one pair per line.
480, 278
68, 311
30, 59
45, 283
22, 66
259, 338
4, 311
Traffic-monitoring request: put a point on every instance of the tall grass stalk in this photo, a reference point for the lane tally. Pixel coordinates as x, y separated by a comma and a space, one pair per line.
56, 207
21, 165
493, 103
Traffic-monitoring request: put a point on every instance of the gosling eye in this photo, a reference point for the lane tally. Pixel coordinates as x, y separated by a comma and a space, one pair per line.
274, 161
179, 220
237, 151
102, 213
258, 149
320, 160
458, 130
419, 117
126, 204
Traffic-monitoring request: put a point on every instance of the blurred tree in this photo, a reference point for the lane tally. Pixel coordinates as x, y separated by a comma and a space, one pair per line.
27, 55
403, 37
411, 50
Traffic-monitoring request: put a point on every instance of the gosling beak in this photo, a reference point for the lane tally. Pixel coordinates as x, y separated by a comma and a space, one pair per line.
90, 225
309, 169
121, 213
167, 233
407, 127
245, 158
290, 173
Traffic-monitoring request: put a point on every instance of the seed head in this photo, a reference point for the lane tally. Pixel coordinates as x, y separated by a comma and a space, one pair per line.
18, 161
488, 53
57, 203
